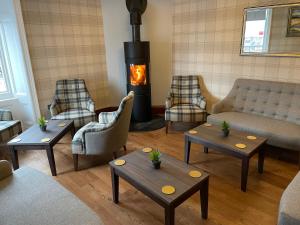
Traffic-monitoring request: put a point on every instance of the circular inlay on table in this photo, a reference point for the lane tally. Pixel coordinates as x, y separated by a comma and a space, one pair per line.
250, 137
195, 173
193, 132
240, 145
119, 162
15, 140
62, 124
147, 149
45, 140
168, 189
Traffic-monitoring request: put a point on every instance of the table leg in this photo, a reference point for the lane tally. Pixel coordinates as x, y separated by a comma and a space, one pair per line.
244, 177
51, 160
14, 157
187, 149
204, 198
205, 149
115, 185
261, 159
169, 215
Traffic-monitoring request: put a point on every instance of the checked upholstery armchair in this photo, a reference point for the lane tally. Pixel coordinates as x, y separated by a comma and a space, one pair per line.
107, 136
72, 101
185, 102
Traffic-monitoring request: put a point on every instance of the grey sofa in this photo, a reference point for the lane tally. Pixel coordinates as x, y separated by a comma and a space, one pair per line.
289, 209
266, 108
28, 197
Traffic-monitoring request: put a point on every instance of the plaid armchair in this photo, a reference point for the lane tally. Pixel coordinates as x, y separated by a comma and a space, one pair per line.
107, 135
8, 127
72, 101
185, 102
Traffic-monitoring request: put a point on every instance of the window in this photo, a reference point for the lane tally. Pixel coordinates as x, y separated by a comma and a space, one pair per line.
257, 30
5, 72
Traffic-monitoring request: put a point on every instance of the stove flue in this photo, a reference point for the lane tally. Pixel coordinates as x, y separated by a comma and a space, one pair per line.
137, 59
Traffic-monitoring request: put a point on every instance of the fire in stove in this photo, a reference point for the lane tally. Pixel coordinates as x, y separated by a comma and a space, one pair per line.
138, 75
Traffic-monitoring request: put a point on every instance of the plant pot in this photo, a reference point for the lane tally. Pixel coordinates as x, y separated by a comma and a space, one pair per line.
156, 164
43, 128
226, 133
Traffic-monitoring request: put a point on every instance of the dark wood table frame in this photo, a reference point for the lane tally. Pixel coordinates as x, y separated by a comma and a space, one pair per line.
189, 138
31, 144
169, 207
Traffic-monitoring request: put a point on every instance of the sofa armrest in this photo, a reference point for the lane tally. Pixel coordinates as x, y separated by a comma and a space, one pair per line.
5, 169
5, 115
218, 107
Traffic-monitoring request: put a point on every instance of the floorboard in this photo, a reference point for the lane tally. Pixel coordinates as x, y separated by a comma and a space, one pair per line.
227, 204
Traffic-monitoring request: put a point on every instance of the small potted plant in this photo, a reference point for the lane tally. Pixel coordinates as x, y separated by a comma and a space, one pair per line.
225, 129
42, 123
155, 158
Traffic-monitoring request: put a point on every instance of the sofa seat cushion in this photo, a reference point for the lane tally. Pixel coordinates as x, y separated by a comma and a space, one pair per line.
289, 209
31, 197
9, 129
280, 133
184, 113
80, 116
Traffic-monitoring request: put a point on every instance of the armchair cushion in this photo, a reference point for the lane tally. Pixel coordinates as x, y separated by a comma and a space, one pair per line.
107, 117
78, 142
80, 116
184, 113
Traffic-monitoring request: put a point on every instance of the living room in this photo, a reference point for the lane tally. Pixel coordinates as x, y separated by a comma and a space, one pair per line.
149, 112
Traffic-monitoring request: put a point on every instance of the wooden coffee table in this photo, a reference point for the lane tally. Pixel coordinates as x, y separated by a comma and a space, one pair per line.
138, 171
211, 137
31, 140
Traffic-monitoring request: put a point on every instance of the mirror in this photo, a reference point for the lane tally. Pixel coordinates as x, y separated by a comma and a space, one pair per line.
272, 31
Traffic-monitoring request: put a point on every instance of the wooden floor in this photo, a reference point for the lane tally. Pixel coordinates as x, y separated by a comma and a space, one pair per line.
227, 204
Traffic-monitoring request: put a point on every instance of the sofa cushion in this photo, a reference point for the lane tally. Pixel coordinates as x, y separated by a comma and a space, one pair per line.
30, 197
289, 209
279, 133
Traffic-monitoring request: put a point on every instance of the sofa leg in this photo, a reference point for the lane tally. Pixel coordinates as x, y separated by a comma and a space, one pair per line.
75, 161
124, 147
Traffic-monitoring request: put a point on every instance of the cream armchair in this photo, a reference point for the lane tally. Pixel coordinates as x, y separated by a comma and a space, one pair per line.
72, 101
107, 136
185, 102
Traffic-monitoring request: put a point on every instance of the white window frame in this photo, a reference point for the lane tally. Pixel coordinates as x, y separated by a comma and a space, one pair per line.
6, 66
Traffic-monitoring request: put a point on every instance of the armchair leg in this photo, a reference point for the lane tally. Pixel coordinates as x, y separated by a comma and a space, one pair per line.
124, 147
75, 161
167, 126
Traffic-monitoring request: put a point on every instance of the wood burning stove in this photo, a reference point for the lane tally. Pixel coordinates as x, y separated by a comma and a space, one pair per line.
137, 59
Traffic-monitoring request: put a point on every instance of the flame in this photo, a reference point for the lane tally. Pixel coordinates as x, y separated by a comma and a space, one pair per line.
138, 75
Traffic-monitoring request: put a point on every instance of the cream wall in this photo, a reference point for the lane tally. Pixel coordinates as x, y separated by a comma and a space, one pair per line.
206, 41
65, 40
157, 28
